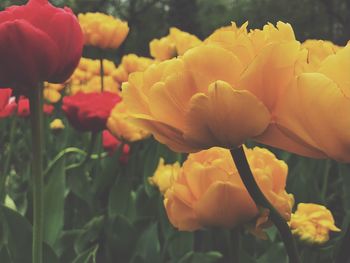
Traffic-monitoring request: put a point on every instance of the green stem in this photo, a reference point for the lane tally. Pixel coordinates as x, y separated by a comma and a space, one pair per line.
102, 73
234, 245
36, 117
68, 150
88, 155
7, 160
256, 194
61, 154
232, 242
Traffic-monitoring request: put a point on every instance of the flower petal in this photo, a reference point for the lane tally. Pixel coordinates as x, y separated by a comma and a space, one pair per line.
226, 117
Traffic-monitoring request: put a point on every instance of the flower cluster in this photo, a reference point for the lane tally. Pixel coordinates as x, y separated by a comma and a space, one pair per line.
9, 106
103, 31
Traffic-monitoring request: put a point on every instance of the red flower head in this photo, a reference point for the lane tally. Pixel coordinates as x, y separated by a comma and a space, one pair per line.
48, 109
23, 108
111, 143
89, 111
38, 42
7, 107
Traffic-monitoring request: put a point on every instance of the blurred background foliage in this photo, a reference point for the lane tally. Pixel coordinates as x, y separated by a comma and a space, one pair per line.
148, 19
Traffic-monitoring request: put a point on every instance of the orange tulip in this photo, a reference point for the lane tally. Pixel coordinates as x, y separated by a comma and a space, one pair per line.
209, 192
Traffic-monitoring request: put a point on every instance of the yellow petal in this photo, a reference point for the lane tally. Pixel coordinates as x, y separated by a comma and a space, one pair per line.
165, 134
271, 71
225, 204
316, 111
210, 63
337, 68
226, 117
170, 99
180, 215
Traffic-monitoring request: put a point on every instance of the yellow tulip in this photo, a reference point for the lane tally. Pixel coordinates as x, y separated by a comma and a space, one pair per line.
214, 95
103, 31
165, 175
312, 223
52, 92
162, 49
133, 63
209, 192
121, 125
120, 74
172, 45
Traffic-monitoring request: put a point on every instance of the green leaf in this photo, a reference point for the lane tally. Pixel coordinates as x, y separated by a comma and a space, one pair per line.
121, 237
88, 256
276, 253
54, 195
17, 239
344, 171
90, 235
179, 244
119, 196
148, 246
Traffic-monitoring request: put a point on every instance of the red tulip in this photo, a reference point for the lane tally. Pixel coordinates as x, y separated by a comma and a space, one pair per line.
111, 143
48, 109
23, 107
7, 105
89, 111
38, 42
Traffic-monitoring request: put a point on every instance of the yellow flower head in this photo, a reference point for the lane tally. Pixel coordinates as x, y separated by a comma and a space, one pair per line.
172, 45
216, 94
165, 175
86, 78
312, 223
133, 63
244, 84
103, 31
120, 74
57, 124
130, 63
209, 191
162, 49
52, 92
121, 125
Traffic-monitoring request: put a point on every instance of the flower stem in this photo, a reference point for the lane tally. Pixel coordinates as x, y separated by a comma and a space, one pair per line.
256, 194
7, 160
102, 73
36, 116
232, 240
